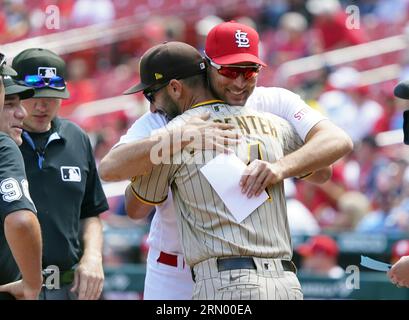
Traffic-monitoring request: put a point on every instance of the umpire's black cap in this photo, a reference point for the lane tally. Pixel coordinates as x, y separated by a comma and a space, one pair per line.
167, 61
14, 88
43, 63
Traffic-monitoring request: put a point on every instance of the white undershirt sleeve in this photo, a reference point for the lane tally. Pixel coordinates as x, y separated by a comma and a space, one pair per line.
287, 105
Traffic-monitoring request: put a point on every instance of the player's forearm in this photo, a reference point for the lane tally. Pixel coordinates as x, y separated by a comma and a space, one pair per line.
93, 237
325, 144
138, 158
23, 235
126, 161
135, 208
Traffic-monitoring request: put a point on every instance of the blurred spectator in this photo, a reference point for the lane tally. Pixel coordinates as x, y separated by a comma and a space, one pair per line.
14, 21
387, 192
202, 28
399, 249
391, 118
348, 104
87, 12
353, 206
300, 219
320, 257
391, 11
292, 40
82, 88
330, 25
399, 216
322, 199
361, 172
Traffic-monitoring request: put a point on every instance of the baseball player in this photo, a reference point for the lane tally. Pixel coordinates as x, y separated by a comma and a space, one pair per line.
399, 273
20, 236
250, 259
65, 184
131, 157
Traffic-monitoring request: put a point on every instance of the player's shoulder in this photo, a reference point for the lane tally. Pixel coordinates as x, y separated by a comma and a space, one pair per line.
151, 120
66, 126
7, 145
9, 152
272, 93
71, 132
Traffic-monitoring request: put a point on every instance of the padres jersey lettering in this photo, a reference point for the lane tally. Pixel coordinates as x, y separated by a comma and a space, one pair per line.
251, 124
206, 226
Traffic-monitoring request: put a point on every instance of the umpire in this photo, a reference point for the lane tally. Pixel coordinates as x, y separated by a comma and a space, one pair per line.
20, 236
64, 181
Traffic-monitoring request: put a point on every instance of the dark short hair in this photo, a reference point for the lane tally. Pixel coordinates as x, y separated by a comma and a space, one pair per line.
196, 81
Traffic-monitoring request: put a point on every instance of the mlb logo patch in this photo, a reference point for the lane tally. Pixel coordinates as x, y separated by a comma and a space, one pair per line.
47, 72
72, 174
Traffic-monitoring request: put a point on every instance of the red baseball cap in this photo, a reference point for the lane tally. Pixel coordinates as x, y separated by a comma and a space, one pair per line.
231, 43
319, 244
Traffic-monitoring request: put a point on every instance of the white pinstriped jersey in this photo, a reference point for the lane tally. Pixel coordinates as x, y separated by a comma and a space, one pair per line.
206, 226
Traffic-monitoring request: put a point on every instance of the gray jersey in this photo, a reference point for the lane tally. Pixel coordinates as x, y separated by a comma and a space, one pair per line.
207, 228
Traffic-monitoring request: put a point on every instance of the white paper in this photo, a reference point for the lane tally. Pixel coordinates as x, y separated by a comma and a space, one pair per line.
224, 173
375, 264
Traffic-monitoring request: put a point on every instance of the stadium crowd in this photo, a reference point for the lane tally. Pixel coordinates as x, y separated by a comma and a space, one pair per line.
369, 189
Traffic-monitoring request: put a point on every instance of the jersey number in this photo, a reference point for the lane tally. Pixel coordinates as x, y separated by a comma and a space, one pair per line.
10, 190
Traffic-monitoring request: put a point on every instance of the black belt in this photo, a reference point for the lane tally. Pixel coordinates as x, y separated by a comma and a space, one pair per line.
233, 263
224, 264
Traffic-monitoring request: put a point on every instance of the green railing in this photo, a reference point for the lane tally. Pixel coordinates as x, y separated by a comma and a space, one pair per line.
371, 285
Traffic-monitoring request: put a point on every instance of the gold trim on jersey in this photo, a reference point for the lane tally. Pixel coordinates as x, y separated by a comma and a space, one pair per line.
305, 175
252, 156
137, 196
201, 104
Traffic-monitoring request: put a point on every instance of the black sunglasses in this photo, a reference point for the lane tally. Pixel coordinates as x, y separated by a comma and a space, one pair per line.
150, 95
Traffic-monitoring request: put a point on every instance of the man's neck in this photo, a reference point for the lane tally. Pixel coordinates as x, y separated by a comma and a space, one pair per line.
197, 98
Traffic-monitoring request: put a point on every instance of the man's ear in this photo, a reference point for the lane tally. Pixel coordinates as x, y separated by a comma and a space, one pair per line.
175, 88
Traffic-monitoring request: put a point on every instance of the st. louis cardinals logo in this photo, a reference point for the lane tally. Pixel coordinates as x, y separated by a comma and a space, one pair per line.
241, 39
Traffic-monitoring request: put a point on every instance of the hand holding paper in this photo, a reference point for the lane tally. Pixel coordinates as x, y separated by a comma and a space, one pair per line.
224, 173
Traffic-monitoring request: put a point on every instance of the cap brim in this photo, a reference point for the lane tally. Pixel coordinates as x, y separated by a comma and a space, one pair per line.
51, 93
22, 91
7, 71
136, 88
238, 58
402, 90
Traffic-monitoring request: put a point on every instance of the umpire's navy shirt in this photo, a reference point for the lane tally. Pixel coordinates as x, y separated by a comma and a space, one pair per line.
13, 197
65, 188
